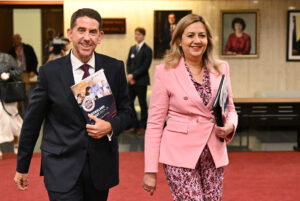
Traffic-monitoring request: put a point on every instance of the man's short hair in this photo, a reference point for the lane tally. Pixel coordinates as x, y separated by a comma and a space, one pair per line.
141, 30
86, 12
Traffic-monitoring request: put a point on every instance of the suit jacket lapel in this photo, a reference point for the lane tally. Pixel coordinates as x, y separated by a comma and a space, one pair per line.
188, 86
67, 78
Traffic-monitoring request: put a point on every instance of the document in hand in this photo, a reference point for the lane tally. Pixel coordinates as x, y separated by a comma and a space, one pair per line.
221, 102
94, 96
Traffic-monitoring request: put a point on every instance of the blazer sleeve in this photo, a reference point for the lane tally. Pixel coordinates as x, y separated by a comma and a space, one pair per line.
144, 65
159, 104
124, 112
33, 119
231, 114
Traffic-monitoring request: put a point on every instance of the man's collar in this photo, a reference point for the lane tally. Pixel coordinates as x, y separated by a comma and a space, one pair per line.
76, 63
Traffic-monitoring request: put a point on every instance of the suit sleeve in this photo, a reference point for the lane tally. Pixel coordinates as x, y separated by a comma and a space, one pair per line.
145, 65
231, 114
32, 123
124, 112
159, 104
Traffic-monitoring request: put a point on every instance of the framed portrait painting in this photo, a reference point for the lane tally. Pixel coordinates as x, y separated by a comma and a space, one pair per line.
164, 24
240, 33
293, 36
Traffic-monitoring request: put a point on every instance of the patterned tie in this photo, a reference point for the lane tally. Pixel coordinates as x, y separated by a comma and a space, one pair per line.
85, 68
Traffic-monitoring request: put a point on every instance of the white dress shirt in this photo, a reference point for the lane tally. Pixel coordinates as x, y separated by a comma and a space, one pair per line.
77, 71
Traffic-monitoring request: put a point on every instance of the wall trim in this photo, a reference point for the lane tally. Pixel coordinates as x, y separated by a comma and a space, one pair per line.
31, 2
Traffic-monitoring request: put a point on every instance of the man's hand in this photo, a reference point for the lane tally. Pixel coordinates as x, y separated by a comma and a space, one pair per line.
21, 180
100, 129
130, 79
149, 182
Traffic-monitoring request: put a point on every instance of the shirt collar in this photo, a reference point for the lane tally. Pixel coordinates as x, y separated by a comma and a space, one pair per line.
140, 44
76, 63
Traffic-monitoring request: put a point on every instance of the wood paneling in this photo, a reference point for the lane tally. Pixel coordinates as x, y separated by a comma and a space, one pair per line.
6, 27
52, 17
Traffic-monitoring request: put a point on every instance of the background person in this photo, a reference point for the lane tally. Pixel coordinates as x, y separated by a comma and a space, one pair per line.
184, 90
79, 162
238, 42
138, 64
26, 59
10, 123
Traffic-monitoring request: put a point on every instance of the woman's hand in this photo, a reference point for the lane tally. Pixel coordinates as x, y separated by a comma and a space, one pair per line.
5, 76
223, 132
149, 182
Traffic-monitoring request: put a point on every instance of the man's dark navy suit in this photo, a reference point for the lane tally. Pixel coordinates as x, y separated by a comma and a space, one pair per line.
65, 143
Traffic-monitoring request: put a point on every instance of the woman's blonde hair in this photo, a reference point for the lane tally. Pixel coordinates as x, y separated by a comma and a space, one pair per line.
171, 59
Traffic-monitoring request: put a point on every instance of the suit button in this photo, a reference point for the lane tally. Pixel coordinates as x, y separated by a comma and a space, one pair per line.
185, 98
212, 120
197, 120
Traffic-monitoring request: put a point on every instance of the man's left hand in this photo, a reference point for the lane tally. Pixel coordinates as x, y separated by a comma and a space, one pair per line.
100, 129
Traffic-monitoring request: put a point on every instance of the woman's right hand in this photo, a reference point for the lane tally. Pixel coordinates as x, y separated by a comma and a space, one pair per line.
149, 182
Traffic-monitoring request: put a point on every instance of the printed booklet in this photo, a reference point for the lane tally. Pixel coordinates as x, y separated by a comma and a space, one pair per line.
94, 96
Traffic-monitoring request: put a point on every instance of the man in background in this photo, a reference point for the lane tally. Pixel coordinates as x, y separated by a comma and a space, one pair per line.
169, 32
138, 63
26, 59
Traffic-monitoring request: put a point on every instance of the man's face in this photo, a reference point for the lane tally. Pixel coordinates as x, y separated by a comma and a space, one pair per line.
171, 19
139, 37
17, 40
85, 36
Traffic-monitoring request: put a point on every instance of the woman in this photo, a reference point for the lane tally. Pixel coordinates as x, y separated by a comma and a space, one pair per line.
238, 42
184, 88
10, 125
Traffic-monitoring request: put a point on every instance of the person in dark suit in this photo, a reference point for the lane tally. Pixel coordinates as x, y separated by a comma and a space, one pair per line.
138, 63
26, 59
79, 160
169, 32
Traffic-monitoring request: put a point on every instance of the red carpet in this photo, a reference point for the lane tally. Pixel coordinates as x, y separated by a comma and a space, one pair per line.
251, 176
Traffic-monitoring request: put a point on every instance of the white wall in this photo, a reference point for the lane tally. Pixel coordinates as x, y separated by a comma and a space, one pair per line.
27, 23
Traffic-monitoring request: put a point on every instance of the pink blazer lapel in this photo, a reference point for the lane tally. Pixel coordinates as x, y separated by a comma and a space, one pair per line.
188, 86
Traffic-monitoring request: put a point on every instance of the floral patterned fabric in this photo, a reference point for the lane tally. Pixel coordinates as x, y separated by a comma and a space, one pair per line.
203, 89
204, 183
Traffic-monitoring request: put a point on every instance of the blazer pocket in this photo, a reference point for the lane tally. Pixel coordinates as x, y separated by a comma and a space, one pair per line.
52, 148
178, 127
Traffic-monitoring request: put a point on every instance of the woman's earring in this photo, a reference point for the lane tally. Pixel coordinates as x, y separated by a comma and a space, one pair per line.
180, 44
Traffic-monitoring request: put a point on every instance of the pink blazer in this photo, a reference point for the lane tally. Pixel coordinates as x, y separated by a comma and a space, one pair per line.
190, 124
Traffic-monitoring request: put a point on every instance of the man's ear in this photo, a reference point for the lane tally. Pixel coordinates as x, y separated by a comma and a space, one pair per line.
101, 34
69, 33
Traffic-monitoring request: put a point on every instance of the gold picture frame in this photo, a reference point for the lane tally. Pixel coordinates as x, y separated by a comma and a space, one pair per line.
239, 33
293, 36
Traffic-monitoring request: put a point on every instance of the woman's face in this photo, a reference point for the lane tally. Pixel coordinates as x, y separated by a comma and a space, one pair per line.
238, 27
194, 41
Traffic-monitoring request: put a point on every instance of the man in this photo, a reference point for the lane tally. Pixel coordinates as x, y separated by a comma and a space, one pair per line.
138, 62
50, 37
26, 58
169, 32
79, 160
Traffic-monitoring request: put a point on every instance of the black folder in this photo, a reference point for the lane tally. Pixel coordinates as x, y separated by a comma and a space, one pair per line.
220, 102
